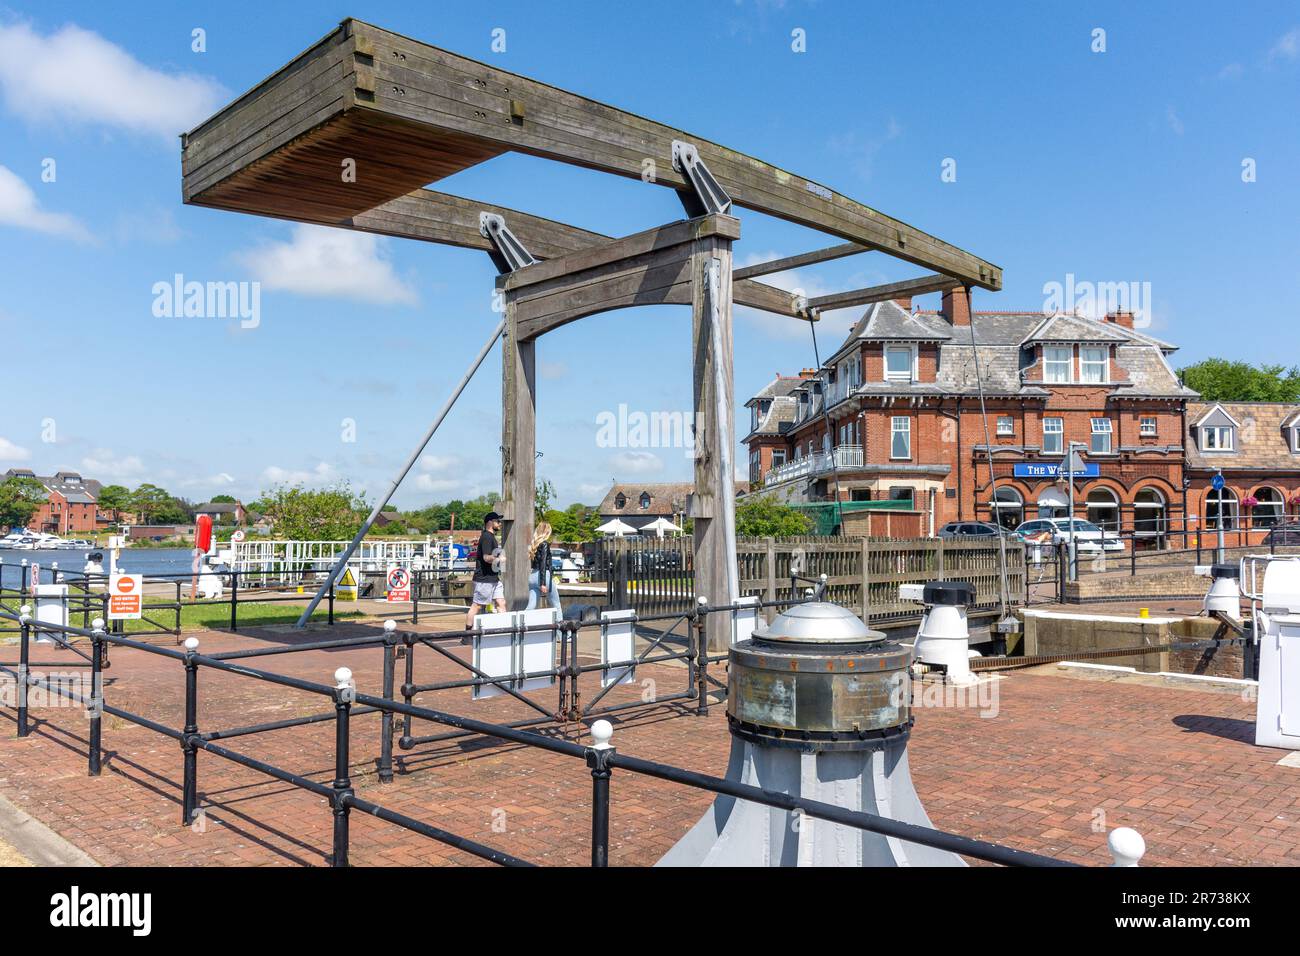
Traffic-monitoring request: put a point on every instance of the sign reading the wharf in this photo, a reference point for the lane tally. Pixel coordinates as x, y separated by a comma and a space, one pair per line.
1047, 469
125, 597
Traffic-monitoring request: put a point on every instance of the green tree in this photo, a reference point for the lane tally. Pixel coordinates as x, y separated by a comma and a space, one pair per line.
20, 498
1219, 380
149, 502
308, 514
223, 499
115, 499
763, 518
542, 496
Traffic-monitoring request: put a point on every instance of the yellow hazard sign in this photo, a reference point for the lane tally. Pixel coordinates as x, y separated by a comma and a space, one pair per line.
346, 589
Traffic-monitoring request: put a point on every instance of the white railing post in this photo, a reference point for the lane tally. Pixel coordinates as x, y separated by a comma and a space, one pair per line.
1126, 846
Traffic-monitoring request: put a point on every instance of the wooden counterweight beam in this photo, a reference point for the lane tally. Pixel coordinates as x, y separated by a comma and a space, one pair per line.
406, 114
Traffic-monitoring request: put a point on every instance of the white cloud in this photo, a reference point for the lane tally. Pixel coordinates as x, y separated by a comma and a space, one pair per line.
76, 75
1287, 46
11, 452
861, 151
636, 462
103, 463
320, 261
275, 475
1174, 120
20, 207
553, 371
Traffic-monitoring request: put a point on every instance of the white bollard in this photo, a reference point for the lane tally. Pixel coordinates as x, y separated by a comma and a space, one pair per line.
1126, 846
601, 732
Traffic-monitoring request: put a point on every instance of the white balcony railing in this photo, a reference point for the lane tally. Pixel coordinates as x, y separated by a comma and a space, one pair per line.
843, 456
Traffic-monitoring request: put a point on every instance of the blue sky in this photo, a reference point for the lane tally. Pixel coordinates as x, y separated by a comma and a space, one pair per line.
1117, 166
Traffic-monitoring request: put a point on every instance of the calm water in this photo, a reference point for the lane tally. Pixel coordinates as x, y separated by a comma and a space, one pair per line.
147, 561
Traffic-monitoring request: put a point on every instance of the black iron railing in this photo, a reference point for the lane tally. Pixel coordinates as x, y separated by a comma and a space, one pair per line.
346, 703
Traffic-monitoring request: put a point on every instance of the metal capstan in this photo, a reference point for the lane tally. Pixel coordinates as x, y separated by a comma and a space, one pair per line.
819, 707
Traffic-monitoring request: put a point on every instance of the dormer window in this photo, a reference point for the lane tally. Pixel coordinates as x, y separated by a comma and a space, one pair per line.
1058, 364
1217, 438
620, 502
645, 500
1294, 431
900, 363
1093, 364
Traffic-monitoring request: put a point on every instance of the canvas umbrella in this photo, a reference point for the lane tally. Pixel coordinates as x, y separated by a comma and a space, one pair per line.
660, 525
616, 527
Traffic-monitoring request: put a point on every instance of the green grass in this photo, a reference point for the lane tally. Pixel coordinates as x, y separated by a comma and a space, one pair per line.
198, 617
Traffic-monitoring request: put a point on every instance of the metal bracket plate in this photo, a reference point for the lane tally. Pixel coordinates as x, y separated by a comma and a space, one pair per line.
709, 196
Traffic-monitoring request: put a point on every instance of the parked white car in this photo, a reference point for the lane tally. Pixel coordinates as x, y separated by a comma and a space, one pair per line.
1087, 536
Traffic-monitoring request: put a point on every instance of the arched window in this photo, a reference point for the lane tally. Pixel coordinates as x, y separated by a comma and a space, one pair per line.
645, 500
620, 502
1268, 508
1103, 509
1212, 509
1150, 514
1008, 508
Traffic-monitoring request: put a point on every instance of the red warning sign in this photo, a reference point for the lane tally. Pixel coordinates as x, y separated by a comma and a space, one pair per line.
399, 584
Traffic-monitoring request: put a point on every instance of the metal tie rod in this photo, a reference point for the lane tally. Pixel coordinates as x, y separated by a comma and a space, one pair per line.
410, 463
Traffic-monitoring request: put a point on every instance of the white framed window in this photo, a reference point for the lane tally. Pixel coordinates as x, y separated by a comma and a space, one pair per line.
1100, 436
1006, 425
1295, 438
1058, 363
900, 361
778, 457
1053, 436
1217, 438
900, 442
1094, 364
1147, 428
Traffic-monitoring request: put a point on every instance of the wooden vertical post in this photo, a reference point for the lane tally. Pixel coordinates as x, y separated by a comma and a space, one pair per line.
715, 487
866, 580
770, 593
518, 456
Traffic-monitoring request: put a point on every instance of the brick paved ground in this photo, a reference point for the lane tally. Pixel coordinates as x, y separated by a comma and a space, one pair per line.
1177, 764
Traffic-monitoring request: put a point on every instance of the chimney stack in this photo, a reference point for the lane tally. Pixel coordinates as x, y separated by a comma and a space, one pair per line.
904, 302
807, 372
1124, 319
956, 306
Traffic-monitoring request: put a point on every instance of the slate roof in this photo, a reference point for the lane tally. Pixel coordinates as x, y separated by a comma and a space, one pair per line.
74, 489
1261, 439
1004, 342
666, 499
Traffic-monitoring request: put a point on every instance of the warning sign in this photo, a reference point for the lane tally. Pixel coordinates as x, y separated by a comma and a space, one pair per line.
399, 584
346, 588
125, 597
238, 536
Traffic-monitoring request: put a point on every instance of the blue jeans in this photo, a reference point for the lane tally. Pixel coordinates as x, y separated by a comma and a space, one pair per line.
535, 592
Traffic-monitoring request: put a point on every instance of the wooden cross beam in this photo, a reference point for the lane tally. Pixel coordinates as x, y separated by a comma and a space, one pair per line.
882, 293
433, 216
366, 115
803, 259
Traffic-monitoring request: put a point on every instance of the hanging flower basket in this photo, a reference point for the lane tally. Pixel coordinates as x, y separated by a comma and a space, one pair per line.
1249, 501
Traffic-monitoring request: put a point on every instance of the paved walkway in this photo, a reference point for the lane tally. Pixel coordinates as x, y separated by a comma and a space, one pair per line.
1063, 759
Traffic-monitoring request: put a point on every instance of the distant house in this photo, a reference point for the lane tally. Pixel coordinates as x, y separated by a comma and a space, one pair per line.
71, 504
227, 513
640, 504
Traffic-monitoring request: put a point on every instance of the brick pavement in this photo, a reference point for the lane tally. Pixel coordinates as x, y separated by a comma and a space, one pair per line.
1176, 764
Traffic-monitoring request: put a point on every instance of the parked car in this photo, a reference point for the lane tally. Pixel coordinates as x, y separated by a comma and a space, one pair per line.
971, 529
1087, 536
1281, 535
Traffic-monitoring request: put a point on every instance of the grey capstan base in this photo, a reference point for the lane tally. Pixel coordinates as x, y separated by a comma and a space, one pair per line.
741, 833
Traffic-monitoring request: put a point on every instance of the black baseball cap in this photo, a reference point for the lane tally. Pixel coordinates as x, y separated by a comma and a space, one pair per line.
491, 516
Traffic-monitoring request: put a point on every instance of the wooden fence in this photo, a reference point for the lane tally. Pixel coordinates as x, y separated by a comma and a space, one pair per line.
657, 576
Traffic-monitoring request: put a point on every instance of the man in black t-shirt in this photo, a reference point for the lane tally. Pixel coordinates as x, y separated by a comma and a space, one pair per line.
487, 571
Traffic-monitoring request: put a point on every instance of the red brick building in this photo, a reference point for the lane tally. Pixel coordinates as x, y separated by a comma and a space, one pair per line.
897, 412
71, 504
